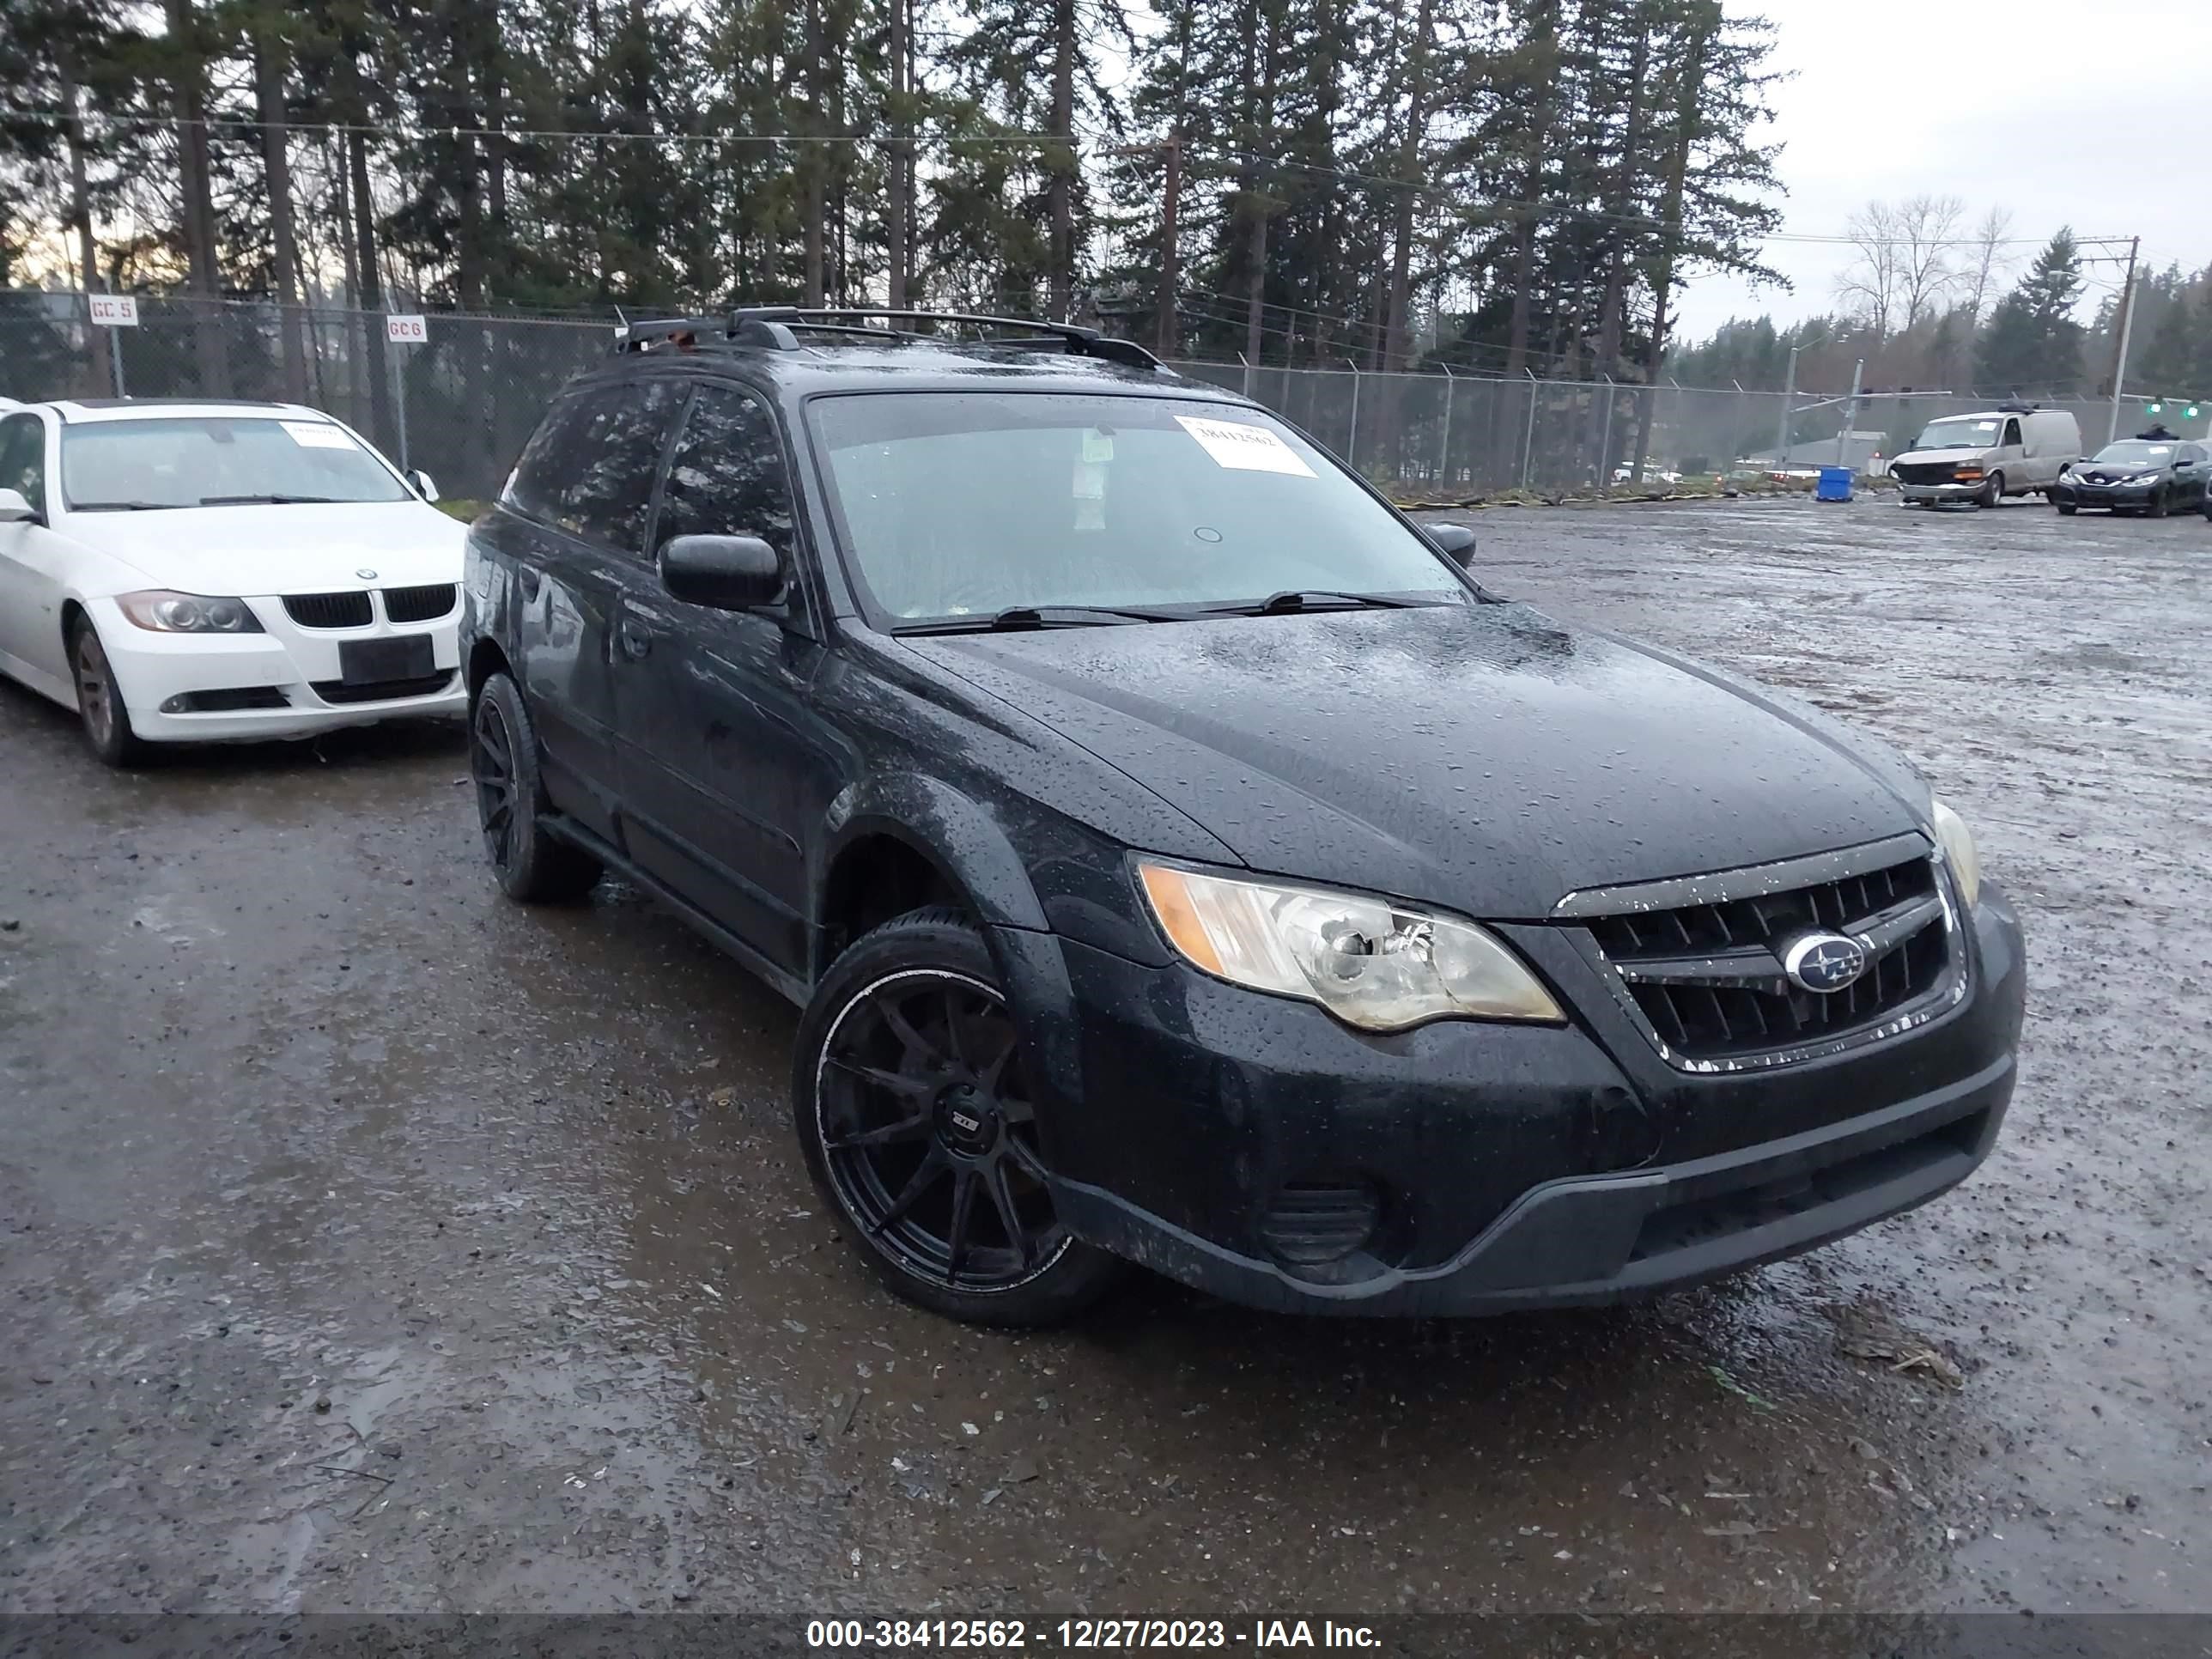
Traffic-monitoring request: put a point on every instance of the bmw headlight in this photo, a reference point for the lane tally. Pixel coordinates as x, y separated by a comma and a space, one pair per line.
1958, 844
165, 613
1377, 965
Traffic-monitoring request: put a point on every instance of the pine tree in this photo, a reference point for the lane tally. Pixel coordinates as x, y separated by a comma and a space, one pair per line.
2033, 338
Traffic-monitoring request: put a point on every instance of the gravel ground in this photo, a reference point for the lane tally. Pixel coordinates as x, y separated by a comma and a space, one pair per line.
369, 1243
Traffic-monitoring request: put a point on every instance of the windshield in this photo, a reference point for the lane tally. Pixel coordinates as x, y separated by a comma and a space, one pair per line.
959, 504
206, 461
2134, 452
1962, 432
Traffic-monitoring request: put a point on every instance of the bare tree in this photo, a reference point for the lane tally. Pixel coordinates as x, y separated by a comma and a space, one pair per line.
1984, 262
1868, 287
1928, 229
1906, 260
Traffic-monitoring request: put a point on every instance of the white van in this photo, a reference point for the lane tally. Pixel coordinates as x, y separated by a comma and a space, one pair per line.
2016, 450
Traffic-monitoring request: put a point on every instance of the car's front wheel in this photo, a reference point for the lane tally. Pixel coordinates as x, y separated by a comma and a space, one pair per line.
1992, 492
2155, 504
531, 865
100, 703
920, 1129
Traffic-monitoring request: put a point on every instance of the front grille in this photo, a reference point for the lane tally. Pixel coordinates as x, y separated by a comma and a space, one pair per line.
411, 605
328, 609
1925, 472
1710, 980
423, 685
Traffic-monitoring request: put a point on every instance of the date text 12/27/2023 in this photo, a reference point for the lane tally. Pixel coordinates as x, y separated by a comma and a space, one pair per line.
1012, 1635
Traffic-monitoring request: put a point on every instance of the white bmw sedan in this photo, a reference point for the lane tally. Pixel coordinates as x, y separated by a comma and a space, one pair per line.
220, 571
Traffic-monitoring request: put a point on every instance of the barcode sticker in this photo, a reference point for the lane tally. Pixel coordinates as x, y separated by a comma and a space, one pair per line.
1244, 448
316, 434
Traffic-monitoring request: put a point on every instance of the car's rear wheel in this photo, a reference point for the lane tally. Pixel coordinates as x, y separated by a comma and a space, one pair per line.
532, 865
100, 703
1992, 491
920, 1129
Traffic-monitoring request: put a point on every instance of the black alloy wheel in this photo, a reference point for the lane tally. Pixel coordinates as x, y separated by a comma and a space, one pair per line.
2155, 504
531, 865
920, 1125
929, 1141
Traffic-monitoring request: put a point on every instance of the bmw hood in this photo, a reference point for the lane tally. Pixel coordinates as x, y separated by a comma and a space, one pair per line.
251, 552
1485, 758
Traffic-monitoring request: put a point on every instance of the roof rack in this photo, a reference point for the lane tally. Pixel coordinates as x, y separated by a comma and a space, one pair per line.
779, 328
2016, 407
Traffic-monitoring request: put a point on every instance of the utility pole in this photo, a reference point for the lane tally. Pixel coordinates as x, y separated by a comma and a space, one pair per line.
1782, 423
1850, 411
2127, 325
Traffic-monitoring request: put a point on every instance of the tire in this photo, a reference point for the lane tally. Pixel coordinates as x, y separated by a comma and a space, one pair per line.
2154, 507
99, 705
1992, 491
916, 1122
532, 865
2068, 508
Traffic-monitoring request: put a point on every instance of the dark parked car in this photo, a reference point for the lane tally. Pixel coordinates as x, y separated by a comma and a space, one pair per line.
2150, 475
1179, 858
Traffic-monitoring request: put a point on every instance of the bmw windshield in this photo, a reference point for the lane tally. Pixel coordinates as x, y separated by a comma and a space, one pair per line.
181, 461
981, 505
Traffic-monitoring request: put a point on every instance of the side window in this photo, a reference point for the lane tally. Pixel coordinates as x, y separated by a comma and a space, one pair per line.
726, 477
589, 468
23, 458
2012, 435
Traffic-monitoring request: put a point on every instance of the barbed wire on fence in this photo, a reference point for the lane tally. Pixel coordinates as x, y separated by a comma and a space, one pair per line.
465, 399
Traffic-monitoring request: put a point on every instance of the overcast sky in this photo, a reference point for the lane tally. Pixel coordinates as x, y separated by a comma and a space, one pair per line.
2065, 114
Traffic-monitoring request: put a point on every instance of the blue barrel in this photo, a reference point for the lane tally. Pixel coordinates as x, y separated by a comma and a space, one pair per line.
1835, 484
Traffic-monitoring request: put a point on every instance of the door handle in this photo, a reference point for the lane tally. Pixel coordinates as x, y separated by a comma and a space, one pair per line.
637, 639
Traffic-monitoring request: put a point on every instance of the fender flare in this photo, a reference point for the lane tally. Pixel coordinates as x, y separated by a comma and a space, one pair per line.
952, 831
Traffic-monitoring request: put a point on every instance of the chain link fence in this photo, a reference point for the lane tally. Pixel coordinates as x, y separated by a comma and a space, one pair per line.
461, 404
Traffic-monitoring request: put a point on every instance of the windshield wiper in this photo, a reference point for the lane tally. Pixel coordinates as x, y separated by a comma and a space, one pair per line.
1023, 618
1301, 599
125, 506
268, 500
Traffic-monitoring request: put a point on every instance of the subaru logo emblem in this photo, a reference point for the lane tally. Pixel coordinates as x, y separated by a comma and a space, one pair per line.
1824, 961
366, 574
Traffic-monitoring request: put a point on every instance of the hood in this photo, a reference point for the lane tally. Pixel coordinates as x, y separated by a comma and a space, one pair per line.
2106, 471
1485, 759
1947, 452
251, 552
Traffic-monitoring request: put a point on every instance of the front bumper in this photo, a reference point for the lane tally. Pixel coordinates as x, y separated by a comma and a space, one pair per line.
1515, 1166
2068, 492
155, 669
1940, 492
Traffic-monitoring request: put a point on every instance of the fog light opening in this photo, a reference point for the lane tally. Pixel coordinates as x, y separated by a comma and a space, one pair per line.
1314, 1222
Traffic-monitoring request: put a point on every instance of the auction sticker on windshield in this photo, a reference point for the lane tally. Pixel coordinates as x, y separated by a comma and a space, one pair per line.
1246, 448
314, 435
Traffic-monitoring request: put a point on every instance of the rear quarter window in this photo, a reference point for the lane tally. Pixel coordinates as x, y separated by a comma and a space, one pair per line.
589, 468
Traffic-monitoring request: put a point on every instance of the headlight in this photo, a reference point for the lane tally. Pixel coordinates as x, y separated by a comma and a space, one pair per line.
188, 613
1370, 962
1958, 844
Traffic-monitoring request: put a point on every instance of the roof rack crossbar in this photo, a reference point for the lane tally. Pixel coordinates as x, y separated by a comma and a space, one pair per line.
1079, 341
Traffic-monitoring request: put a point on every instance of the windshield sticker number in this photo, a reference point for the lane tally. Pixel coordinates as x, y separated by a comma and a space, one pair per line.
316, 434
1245, 449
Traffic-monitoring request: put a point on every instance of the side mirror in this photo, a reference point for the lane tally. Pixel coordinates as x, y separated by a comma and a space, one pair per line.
1454, 541
14, 509
725, 573
419, 482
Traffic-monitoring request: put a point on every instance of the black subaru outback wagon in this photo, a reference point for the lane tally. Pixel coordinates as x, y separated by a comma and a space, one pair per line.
1180, 859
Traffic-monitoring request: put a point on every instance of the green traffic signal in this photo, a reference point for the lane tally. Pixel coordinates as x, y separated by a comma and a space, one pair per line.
2154, 409
2190, 413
